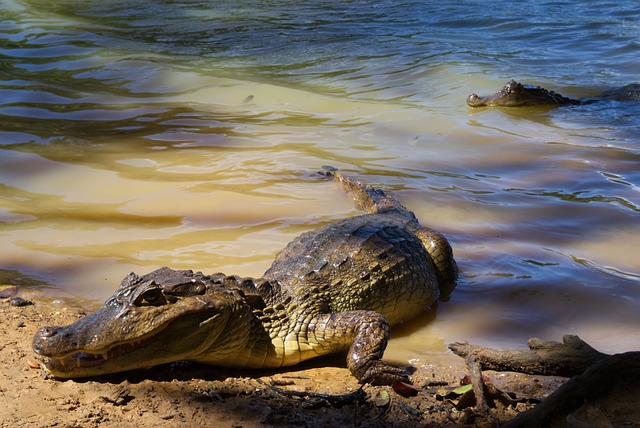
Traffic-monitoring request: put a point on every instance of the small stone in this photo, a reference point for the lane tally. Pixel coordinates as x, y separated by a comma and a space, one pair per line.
20, 324
19, 301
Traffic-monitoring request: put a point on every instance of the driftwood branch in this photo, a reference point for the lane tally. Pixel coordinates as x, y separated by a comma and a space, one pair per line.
569, 358
604, 389
605, 395
475, 371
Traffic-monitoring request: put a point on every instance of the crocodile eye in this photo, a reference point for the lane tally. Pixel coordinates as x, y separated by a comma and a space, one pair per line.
151, 297
192, 288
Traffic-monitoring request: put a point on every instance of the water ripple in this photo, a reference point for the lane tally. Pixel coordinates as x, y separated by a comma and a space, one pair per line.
134, 134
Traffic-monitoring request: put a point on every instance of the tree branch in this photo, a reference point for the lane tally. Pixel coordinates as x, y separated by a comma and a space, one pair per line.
569, 358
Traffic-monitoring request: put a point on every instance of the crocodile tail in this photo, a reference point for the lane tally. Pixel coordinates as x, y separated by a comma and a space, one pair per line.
365, 197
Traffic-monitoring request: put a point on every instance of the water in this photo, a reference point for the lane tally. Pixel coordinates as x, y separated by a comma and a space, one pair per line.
134, 136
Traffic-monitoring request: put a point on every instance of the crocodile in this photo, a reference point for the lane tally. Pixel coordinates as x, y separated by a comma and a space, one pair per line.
515, 94
334, 289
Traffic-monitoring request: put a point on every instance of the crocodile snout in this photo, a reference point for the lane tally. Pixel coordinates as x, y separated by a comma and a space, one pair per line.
47, 331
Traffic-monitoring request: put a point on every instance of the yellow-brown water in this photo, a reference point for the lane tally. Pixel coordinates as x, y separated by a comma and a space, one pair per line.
128, 143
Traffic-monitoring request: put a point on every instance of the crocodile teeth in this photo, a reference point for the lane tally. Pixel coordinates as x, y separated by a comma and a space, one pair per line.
105, 356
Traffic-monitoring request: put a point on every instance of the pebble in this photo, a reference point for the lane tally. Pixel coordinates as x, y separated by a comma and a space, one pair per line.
19, 301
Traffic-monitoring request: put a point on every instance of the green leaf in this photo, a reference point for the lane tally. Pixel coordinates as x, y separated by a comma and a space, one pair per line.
455, 392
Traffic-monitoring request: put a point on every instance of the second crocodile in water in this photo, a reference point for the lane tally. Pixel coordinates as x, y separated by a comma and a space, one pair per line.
334, 289
515, 94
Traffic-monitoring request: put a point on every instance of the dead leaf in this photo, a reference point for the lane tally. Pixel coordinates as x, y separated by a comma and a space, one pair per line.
404, 389
494, 395
468, 399
33, 364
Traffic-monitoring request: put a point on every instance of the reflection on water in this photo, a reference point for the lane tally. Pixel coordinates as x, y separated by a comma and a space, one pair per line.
188, 133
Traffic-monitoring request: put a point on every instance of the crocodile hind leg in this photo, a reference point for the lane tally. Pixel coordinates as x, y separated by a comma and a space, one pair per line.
365, 333
441, 253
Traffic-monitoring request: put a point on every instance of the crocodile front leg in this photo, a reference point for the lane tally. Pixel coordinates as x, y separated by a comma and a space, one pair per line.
367, 333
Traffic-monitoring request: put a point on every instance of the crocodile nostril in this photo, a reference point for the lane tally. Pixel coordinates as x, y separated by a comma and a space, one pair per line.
48, 331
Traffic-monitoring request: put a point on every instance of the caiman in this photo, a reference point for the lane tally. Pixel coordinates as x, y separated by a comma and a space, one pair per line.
515, 94
337, 288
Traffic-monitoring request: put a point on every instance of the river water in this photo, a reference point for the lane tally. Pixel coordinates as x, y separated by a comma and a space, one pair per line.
135, 135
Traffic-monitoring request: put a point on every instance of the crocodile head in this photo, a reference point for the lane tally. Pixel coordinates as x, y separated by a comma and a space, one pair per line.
158, 318
515, 94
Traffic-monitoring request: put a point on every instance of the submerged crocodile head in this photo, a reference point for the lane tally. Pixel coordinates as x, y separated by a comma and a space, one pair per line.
161, 317
515, 94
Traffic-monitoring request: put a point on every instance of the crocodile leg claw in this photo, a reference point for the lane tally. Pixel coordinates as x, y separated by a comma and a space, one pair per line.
365, 334
364, 357
381, 373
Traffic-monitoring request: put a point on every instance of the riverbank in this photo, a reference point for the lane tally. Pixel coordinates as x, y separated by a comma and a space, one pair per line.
178, 394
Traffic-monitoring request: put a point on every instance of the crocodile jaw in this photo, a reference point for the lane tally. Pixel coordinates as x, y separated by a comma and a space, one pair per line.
178, 339
81, 361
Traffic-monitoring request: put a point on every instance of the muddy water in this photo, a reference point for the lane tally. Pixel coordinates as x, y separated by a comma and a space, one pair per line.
175, 134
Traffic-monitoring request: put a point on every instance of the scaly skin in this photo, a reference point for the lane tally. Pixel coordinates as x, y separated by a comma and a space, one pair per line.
334, 289
515, 94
